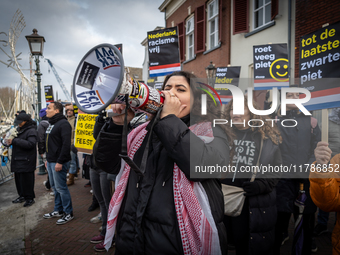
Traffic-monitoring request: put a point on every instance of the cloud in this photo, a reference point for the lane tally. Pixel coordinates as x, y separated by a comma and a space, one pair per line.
72, 27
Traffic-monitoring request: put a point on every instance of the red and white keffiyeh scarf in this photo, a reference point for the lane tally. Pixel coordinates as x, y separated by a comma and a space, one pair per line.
196, 224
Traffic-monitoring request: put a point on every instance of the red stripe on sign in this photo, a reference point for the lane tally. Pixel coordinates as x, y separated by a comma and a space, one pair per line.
322, 93
265, 80
164, 66
110, 66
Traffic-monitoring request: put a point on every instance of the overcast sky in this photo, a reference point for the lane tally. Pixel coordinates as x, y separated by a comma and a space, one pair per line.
71, 28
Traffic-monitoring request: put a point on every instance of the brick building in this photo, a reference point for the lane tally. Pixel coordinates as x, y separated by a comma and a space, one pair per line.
225, 31
204, 32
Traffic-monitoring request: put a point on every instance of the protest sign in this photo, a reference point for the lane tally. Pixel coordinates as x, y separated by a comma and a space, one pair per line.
163, 52
319, 67
270, 66
48, 94
119, 47
83, 139
151, 82
226, 76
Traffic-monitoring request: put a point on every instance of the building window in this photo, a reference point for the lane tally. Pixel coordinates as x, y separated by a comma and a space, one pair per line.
213, 24
189, 32
262, 12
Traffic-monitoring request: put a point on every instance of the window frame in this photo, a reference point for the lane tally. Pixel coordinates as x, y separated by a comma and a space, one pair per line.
214, 17
264, 5
187, 34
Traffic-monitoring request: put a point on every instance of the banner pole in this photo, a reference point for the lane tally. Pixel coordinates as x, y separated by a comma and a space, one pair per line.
324, 122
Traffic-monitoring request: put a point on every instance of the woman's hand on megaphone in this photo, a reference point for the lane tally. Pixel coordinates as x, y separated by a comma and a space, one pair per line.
119, 109
172, 105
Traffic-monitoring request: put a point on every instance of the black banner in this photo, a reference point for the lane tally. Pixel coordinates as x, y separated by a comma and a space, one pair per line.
48, 93
119, 47
270, 66
319, 58
226, 75
163, 52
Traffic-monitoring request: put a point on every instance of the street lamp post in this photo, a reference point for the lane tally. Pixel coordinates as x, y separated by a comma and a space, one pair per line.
36, 44
211, 73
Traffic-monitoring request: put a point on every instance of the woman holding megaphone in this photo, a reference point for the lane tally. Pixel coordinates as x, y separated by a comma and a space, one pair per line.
167, 207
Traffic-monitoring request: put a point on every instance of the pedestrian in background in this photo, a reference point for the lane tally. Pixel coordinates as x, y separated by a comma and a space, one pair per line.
43, 125
58, 146
252, 232
73, 164
297, 149
24, 158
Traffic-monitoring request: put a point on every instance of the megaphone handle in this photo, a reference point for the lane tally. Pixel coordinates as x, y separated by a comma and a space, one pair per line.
112, 114
124, 154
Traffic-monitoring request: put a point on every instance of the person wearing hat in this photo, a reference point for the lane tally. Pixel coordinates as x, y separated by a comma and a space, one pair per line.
16, 115
24, 158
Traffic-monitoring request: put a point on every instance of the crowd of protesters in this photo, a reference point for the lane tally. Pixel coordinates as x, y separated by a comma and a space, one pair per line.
156, 207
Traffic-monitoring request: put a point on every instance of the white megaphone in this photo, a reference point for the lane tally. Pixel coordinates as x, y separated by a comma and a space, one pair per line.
101, 79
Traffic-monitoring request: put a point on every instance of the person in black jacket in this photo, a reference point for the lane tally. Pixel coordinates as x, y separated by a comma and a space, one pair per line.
43, 125
162, 211
297, 149
58, 146
252, 232
24, 158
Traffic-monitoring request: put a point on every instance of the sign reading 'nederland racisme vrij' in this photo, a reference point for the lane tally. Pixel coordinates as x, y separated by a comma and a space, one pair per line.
319, 66
163, 52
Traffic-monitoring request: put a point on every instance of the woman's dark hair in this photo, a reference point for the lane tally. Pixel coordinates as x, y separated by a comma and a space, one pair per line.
213, 111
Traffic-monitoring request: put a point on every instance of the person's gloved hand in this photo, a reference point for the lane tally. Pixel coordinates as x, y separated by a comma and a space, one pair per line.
101, 117
251, 188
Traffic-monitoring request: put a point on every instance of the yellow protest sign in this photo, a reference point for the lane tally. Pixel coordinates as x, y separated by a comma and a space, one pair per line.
84, 139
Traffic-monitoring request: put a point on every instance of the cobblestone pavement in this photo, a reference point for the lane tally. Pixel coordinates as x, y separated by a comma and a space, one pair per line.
38, 236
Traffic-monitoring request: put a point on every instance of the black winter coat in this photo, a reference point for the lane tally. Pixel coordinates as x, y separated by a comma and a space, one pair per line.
262, 208
147, 221
24, 152
297, 148
43, 125
58, 139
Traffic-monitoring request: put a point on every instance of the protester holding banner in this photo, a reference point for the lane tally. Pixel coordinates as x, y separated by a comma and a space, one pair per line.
24, 158
254, 146
164, 211
334, 145
325, 186
297, 149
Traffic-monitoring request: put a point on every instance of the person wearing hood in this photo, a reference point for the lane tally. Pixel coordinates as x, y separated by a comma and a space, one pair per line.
24, 158
58, 145
256, 143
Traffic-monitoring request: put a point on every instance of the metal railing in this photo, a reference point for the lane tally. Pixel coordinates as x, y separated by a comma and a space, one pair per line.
5, 170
